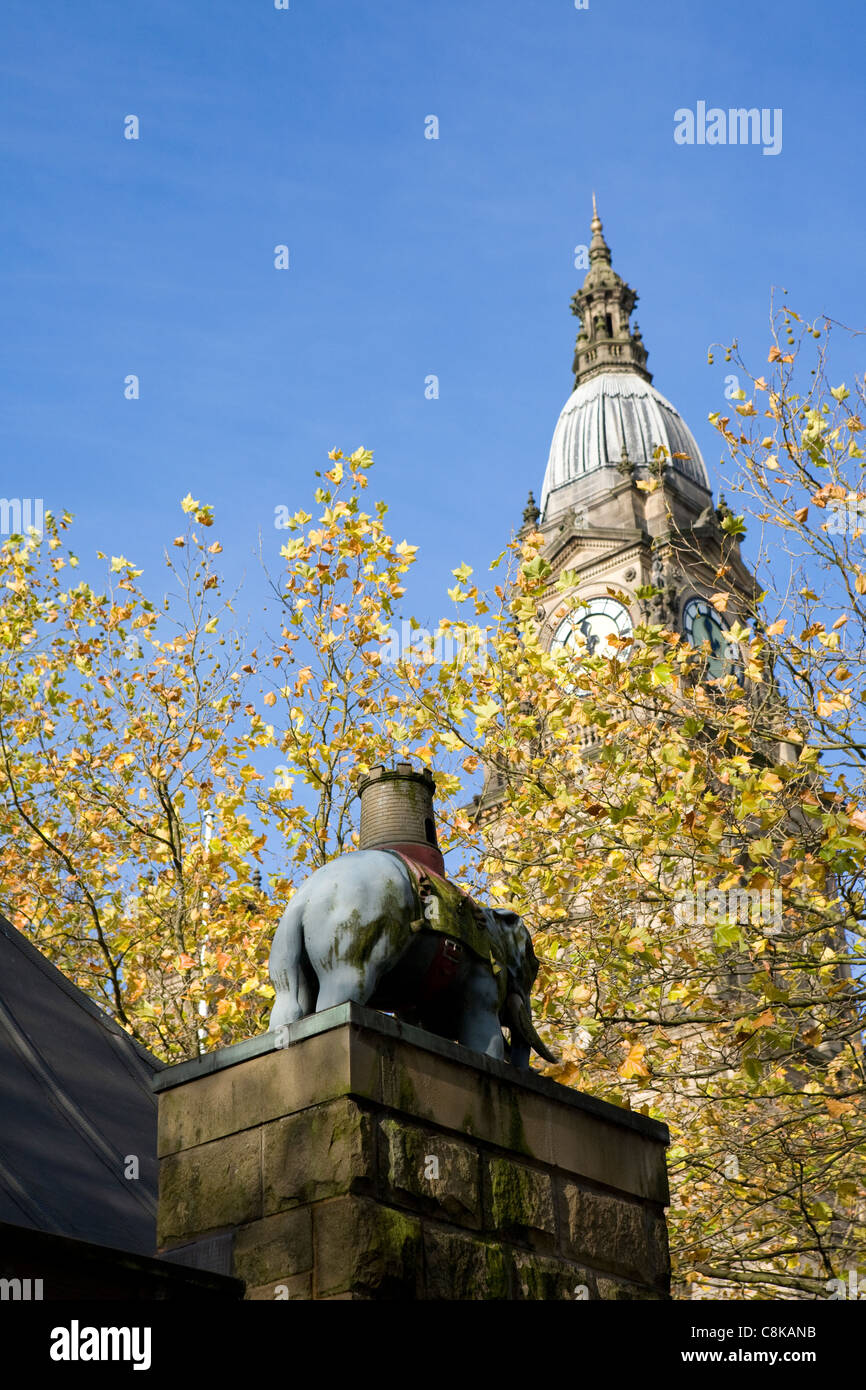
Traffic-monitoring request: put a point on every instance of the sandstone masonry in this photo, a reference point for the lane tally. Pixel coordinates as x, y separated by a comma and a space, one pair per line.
366, 1159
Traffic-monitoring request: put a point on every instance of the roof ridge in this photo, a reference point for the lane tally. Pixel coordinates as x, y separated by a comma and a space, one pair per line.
27, 948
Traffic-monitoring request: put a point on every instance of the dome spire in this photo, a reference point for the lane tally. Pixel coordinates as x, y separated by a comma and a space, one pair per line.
598, 247
606, 341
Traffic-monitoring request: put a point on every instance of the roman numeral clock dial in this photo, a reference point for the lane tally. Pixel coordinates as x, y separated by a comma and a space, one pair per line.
588, 631
702, 624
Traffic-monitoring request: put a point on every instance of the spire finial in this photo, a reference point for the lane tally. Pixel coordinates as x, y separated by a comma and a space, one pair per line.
598, 247
531, 513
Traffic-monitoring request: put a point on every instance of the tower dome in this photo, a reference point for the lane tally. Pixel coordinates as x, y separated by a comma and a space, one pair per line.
614, 419
609, 417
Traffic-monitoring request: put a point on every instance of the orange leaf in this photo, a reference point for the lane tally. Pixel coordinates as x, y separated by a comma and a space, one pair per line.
633, 1064
838, 1107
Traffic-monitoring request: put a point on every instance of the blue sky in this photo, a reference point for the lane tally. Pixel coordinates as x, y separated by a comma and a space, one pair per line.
408, 256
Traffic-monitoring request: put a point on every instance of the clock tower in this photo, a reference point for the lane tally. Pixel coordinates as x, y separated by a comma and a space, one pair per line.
626, 500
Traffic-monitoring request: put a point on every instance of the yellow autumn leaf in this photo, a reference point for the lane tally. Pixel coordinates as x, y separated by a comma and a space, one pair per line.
634, 1064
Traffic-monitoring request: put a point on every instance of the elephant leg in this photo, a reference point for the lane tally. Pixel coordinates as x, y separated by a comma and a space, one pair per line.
344, 982
308, 989
287, 971
480, 1028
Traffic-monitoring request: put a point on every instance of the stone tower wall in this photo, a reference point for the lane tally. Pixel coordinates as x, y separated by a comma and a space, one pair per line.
397, 807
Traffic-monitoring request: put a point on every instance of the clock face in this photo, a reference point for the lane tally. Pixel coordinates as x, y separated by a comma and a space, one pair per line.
589, 630
701, 623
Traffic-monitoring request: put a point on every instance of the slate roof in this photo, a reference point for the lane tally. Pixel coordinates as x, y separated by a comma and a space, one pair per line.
75, 1102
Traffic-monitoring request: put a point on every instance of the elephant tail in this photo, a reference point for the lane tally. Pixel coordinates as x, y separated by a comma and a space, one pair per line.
287, 967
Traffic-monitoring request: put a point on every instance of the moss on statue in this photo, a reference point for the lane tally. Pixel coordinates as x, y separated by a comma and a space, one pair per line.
356, 940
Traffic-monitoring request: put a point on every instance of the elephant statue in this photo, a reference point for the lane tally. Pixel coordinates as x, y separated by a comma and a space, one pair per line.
379, 928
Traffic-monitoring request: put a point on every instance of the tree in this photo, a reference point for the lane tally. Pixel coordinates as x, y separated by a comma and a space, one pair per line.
687, 850
693, 875
136, 762
124, 833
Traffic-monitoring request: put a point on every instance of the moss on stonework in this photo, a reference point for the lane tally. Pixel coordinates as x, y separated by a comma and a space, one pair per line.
497, 1281
500, 1098
345, 1126
405, 1097
516, 1134
535, 1282
462, 1267
347, 1136
510, 1195
538, 1280
393, 1254
398, 1231
516, 1196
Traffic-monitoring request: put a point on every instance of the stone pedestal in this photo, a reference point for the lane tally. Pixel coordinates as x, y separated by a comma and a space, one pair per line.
366, 1159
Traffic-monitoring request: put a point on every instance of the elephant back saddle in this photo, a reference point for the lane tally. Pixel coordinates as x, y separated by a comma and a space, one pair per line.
442, 907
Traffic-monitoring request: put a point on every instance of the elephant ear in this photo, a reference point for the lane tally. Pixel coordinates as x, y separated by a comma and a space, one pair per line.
531, 961
522, 960
526, 965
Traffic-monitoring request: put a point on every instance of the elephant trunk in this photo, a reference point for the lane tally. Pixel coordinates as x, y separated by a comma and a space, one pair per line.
517, 1017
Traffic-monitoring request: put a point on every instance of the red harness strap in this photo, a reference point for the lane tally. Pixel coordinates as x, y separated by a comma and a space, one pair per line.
443, 968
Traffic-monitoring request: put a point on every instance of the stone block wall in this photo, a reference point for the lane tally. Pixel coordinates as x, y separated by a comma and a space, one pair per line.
367, 1159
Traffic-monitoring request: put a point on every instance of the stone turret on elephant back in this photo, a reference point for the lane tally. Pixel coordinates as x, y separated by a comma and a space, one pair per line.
383, 926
